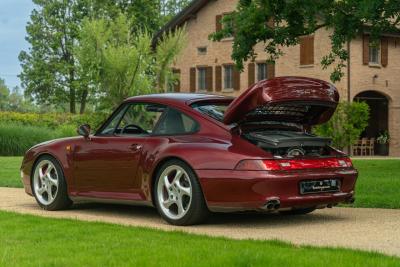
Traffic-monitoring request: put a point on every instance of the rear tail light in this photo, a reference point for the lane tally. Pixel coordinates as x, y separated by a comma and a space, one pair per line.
293, 164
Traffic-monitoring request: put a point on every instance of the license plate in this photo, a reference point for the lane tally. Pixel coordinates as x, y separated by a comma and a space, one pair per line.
319, 186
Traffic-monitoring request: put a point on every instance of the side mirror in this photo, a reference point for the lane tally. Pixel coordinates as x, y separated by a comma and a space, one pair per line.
84, 130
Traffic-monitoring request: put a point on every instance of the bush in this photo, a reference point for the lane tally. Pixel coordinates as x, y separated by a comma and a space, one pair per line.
346, 125
52, 120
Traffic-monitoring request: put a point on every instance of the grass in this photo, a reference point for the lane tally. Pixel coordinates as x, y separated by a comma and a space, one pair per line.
377, 186
35, 241
15, 139
9, 171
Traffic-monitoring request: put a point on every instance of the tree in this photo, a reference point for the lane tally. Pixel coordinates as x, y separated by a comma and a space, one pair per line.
49, 69
117, 63
278, 23
4, 94
169, 8
346, 125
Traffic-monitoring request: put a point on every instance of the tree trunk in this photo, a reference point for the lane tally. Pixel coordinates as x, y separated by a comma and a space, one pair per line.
72, 100
83, 101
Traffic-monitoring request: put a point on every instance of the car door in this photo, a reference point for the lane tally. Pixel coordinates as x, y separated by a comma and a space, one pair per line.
105, 165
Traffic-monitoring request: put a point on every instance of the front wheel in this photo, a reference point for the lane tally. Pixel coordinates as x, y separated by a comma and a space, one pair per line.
178, 195
48, 184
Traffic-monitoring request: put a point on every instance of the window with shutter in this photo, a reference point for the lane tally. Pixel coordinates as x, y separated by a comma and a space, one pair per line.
228, 77
270, 70
307, 50
177, 84
261, 71
218, 24
365, 49
251, 73
236, 80
201, 79
218, 78
384, 51
192, 80
209, 79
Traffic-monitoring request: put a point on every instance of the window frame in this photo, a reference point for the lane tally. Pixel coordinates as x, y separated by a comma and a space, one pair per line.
126, 107
162, 117
230, 66
376, 48
201, 70
264, 74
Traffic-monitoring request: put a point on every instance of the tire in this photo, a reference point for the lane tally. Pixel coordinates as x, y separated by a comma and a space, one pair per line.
299, 211
53, 181
177, 183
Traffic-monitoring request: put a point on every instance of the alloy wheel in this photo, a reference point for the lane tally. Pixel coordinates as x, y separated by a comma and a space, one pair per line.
45, 182
174, 192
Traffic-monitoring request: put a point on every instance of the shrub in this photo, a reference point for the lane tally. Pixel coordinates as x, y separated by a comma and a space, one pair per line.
346, 125
16, 139
52, 120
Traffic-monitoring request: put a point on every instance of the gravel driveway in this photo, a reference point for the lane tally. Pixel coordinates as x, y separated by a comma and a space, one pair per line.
366, 229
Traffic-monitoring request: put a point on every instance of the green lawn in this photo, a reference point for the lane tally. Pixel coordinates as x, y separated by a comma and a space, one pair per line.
35, 241
9, 171
377, 186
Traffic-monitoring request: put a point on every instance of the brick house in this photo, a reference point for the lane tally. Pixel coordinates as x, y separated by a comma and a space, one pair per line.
372, 74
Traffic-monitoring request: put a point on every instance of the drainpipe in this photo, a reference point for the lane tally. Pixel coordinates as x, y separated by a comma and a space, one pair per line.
348, 71
348, 84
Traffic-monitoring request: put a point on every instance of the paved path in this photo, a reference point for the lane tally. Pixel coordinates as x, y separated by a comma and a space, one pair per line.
366, 229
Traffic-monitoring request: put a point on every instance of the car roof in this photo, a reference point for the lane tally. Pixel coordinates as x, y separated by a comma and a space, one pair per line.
177, 98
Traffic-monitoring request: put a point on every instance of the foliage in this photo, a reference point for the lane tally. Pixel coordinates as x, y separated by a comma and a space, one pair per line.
117, 63
16, 139
383, 138
170, 8
52, 120
346, 125
288, 20
78, 243
4, 94
49, 68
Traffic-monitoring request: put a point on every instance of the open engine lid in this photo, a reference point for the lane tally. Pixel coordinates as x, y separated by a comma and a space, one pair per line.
299, 100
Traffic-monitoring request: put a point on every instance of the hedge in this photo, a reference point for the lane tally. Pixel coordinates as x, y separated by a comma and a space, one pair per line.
52, 120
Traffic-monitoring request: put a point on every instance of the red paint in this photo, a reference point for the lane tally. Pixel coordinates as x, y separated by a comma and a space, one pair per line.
107, 167
285, 90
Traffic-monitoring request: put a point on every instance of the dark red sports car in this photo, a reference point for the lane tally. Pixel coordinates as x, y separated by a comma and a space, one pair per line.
188, 154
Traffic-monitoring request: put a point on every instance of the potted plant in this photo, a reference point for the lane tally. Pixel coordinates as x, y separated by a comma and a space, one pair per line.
383, 143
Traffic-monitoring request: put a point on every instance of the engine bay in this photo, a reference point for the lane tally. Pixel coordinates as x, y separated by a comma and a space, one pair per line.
289, 144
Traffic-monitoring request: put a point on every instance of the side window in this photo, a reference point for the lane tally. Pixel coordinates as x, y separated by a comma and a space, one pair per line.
176, 122
134, 119
110, 127
140, 119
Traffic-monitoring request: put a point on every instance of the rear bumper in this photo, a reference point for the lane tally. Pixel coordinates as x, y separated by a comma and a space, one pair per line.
230, 190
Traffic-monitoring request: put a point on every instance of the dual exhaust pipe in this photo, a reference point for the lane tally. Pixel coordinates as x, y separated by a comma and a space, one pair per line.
272, 204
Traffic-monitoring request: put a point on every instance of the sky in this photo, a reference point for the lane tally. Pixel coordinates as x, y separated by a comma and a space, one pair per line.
14, 14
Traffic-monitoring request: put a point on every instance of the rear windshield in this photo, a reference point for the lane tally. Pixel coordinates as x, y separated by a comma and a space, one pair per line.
213, 110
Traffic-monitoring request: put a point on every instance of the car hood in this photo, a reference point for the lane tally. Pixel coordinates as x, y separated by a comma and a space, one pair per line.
299, 100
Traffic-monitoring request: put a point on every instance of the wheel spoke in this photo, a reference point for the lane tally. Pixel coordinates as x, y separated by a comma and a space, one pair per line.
41, 190
177, 176
183, 190
52, 180
180, 206
48, 170
166, 182
49, 194
167, 203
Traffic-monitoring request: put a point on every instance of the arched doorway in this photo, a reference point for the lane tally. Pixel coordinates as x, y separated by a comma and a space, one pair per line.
378, 118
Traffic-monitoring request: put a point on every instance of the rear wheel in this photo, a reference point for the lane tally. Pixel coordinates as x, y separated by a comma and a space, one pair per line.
298, 211
178, 195
48, 184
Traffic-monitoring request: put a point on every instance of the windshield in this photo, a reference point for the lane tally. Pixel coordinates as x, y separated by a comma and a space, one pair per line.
213, 110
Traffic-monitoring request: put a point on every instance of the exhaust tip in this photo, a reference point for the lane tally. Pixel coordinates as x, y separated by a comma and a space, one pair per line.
272, 204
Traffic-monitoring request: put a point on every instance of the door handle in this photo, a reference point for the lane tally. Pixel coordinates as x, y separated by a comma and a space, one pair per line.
135, 147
